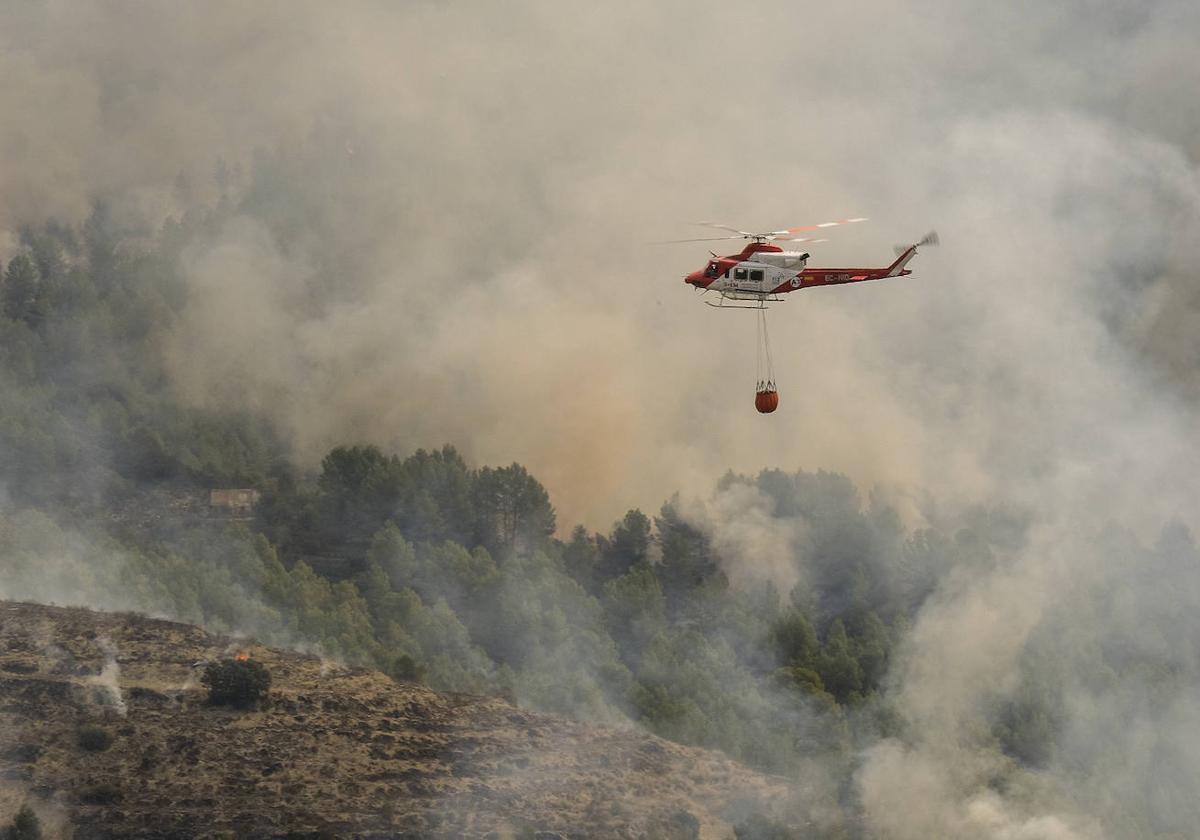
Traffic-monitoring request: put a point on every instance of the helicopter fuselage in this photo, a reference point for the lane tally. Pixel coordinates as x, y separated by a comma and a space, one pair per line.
763, 270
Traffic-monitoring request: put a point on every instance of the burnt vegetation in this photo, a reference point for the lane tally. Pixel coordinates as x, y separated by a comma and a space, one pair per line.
344, 751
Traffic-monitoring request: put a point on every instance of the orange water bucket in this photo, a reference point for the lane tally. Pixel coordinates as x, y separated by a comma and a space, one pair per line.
766, 400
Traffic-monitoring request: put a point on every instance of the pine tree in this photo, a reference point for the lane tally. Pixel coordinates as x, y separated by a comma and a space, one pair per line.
581, 557
20, 291
512, 511
628, 545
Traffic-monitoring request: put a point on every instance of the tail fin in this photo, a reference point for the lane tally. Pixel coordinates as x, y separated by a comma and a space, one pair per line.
907, 252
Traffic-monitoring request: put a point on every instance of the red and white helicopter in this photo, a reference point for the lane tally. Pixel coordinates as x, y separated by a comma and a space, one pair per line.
763, 271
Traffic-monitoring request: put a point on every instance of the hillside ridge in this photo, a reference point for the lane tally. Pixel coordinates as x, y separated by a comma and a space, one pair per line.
338, 752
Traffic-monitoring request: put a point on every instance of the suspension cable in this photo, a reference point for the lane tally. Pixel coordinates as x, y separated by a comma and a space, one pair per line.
758, 347
764, 353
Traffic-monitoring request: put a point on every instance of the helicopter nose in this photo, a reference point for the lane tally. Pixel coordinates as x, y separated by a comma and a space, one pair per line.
694, 279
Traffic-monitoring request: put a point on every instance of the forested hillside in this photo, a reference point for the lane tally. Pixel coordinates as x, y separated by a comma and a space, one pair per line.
419, 563
459, 575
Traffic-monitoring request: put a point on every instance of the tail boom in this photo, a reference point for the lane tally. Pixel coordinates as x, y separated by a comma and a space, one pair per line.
810, 277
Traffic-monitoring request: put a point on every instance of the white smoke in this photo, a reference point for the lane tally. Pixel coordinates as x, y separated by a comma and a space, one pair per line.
108, 681
754, 545
479, 178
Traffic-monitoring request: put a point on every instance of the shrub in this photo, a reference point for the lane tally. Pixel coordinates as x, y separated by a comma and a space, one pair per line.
407, 669
240, 683
758, 827
25, 826
94, 738
101, 794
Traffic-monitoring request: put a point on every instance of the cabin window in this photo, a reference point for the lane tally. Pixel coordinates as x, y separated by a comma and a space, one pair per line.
739, 274
756, 275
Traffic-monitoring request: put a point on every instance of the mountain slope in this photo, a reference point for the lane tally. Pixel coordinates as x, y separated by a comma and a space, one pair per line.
338, 752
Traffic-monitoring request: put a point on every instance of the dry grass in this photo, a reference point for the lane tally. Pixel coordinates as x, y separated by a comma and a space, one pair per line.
339, 752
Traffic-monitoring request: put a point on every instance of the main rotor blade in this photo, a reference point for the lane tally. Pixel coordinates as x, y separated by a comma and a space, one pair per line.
705, 239
802, 239
725, 227
771, 235
820, 226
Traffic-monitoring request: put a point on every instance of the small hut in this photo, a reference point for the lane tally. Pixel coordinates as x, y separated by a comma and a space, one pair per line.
236, 503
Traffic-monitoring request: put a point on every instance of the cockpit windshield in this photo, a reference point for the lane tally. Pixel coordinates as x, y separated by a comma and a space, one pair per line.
711, 271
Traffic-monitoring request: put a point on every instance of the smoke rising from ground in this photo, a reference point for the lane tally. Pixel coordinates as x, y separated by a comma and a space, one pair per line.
755, 547
482, 181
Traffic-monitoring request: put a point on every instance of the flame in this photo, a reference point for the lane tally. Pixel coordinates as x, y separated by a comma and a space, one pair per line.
242, 657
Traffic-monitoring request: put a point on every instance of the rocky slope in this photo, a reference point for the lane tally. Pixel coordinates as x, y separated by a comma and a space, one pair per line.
344, 753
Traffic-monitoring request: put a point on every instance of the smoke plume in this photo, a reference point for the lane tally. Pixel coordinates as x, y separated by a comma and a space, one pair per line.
461, 196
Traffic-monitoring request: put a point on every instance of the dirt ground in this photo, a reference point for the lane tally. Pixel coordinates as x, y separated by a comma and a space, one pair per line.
339, 753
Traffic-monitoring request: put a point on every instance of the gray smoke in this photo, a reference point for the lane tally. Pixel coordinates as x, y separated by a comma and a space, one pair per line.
481, 179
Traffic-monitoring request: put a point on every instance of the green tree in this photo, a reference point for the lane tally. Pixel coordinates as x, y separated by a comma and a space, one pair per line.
687, 558
628, 545
512, 510
46, 247
395, 557
21, 289
635, 608
101, 241
25, 826
351, 472
581, 558
840, 672
434, 497
240, 683
359, 494
795, 639
47, 251
872, 649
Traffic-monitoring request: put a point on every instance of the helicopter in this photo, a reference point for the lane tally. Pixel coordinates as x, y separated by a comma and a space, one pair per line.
763, 271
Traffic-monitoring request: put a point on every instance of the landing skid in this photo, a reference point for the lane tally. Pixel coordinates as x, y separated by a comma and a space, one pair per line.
758, 302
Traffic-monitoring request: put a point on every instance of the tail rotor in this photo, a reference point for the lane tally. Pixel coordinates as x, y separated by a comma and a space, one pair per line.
930, 238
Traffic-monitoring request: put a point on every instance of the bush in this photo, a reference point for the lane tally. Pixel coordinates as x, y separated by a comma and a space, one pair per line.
25, 826
240, 683
101, 794
758, 827
94, 738
406, 669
